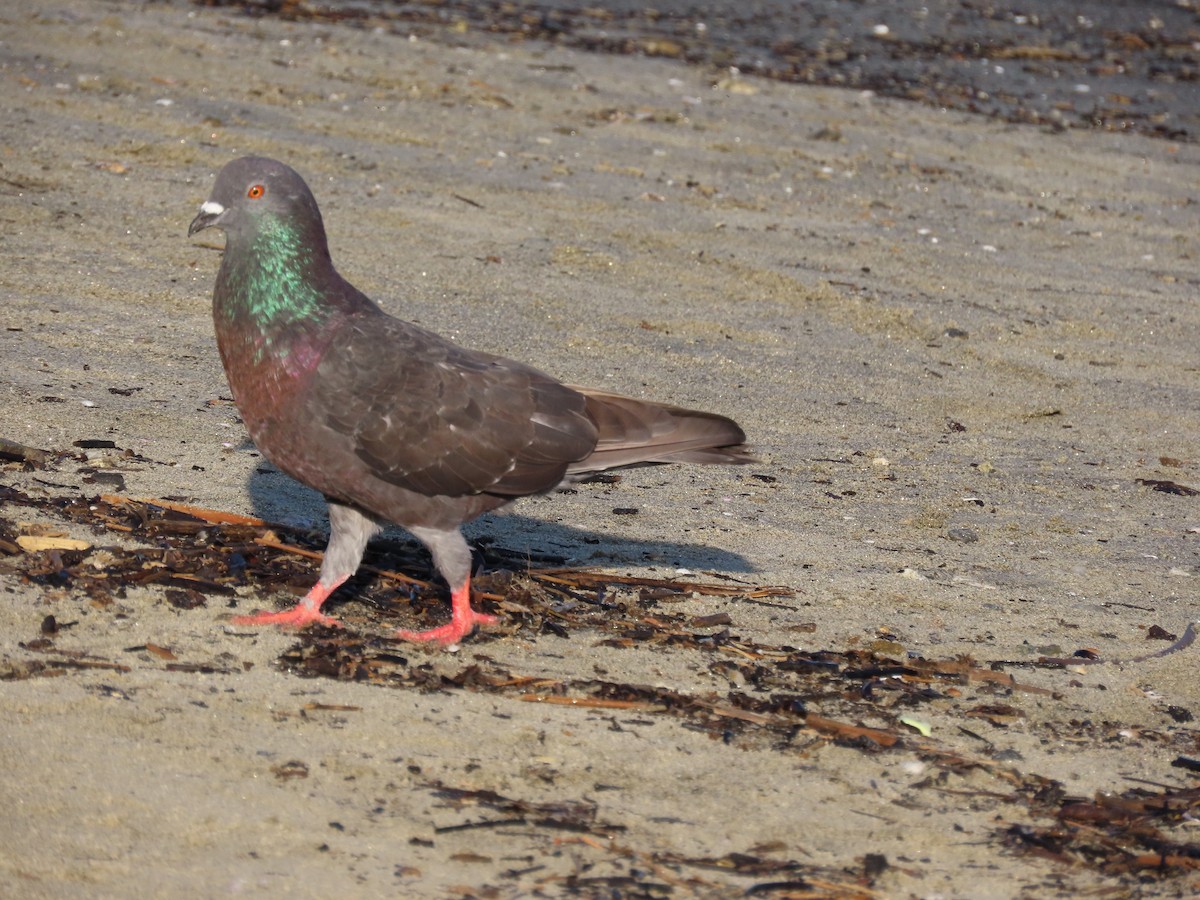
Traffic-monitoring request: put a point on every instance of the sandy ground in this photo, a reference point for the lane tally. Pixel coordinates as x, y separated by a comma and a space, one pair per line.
956, 346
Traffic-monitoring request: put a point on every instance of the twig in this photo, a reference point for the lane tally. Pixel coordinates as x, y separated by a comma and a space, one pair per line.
591, 702
32, 455
579, 577
1185, 641
213, 516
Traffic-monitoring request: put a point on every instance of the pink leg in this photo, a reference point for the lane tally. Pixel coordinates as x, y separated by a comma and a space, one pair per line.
306, 612
462, 622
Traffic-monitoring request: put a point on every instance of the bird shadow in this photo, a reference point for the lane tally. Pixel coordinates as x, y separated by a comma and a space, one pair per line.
277, 498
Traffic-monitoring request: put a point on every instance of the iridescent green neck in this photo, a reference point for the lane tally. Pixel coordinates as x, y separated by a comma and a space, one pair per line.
277, 298
278, 285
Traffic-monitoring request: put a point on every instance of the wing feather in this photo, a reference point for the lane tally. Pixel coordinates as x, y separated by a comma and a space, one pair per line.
435, 418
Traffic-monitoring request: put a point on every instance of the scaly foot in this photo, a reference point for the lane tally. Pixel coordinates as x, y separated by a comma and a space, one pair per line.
463, 620
453, 631
306, 612
296, 617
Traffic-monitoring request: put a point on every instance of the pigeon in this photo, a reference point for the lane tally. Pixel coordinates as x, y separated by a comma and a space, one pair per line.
393, 423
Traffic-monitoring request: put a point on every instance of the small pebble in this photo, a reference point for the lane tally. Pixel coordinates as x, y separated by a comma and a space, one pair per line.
963, 535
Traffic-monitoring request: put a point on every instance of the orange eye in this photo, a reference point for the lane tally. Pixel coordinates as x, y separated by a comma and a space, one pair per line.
256, 191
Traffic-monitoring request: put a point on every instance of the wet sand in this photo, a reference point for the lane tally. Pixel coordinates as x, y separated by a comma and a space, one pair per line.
960, 348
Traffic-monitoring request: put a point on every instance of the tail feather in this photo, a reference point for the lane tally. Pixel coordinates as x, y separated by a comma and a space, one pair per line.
636, 432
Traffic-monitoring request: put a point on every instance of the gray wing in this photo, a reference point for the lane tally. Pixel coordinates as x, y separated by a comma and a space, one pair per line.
435, 418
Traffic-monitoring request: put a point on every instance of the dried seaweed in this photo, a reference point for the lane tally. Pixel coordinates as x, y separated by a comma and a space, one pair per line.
1118, 834
567, 815
780, 696
1168, 487
790, 879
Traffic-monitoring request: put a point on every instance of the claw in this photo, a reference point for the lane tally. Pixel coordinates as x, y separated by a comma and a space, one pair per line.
463, 620
296, 617
306, 612
450, 633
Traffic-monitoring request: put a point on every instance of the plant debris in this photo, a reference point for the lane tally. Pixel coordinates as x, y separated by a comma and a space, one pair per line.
20, 453
1120, 834
1168, 487
1100, 66
779, 696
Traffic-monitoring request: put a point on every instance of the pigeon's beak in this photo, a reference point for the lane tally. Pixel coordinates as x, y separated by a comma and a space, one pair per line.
210, 214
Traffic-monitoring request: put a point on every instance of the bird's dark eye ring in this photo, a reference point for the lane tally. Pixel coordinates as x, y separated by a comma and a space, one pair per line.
256, 191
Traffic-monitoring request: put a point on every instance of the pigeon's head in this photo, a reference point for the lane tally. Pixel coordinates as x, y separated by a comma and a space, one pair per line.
252, 189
